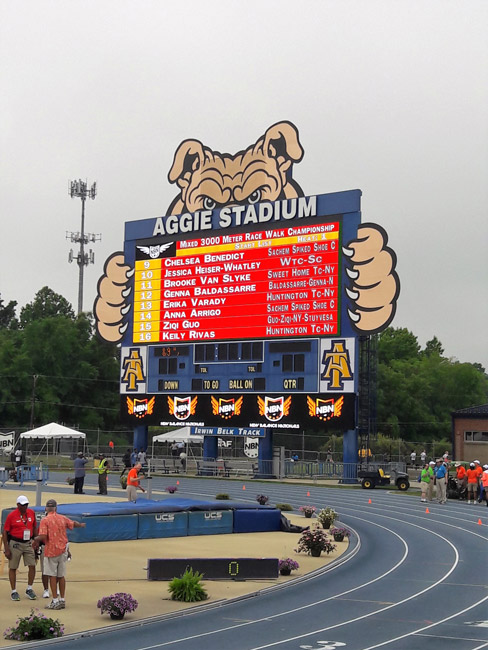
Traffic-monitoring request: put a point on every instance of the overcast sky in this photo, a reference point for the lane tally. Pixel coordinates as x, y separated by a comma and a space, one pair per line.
389, 96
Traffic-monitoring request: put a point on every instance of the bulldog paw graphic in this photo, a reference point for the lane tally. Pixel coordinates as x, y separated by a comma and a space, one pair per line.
111, 304
375, 286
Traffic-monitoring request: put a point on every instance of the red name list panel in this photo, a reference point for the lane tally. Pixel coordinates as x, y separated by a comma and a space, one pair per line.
249, 285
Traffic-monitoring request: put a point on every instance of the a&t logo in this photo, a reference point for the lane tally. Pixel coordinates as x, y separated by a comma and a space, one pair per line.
132, 370
337, 365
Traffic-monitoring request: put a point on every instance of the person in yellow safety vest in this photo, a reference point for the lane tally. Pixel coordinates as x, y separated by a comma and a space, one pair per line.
102, 475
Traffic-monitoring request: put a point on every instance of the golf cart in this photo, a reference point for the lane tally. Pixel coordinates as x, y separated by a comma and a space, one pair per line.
370, 478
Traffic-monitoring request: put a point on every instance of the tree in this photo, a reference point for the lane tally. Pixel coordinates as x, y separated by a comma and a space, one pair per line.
418, 391
434, 346
46, 304
397, 344
8, 319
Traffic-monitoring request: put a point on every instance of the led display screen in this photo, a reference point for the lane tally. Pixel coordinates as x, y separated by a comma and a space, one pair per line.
262, 284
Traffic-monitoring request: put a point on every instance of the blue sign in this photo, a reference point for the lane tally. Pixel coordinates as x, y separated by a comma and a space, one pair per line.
227, 431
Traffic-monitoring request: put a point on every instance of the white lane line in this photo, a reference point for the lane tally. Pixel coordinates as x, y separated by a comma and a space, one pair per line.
428, 627
451, 638
297, 609
378, 611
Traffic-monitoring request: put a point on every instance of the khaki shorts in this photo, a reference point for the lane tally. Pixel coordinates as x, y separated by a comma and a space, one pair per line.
131, 493
18, 550
55, 566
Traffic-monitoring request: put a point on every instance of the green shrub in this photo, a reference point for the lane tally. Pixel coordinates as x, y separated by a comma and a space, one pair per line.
222, 496
188, 588
284, 507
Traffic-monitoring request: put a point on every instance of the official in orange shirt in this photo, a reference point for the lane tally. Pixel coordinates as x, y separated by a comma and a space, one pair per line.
479, 474
133, 482
472, 476
484, 485
461, 477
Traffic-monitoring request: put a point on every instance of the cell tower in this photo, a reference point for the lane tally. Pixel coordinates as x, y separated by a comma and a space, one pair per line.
80, 189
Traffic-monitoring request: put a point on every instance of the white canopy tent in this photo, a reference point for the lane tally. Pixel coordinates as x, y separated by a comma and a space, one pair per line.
52, 431
177, 435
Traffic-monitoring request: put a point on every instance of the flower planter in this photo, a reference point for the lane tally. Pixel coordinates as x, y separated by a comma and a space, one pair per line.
315, 552
338, 537
326, 524
308, 515
116, 617
285, 572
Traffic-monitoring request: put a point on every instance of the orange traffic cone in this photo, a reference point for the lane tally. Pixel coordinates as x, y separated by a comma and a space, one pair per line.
427, 511
479, 522
308, 494
370, 501
243, 487
177, 482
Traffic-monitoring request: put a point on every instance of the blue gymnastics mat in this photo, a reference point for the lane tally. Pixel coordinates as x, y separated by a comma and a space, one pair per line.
124, 520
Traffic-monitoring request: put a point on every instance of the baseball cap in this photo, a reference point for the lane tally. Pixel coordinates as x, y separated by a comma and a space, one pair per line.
51, 503
477, 461
485, 466
23, 500
431, 462
80, 453
457, 465
471, 464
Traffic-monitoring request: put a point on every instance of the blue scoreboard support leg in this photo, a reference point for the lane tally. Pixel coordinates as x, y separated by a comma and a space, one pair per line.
350, 456
140, 437
210, 448
265, 456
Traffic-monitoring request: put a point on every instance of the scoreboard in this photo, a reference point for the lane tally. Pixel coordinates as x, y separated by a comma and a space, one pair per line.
262, 284
238, 316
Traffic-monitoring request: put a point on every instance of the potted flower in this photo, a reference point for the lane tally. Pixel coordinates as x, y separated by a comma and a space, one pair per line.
35, 625
339, 534
307, 510
314, 541
287, 565
171, 489
327, 516
117, 605
262, 499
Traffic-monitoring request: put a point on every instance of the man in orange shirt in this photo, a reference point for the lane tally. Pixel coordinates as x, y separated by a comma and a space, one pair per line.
52, 531
461, 480
133, 482
479, 474
472, 476
484, 482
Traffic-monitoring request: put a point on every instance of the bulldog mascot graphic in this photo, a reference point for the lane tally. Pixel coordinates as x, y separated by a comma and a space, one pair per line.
209, 180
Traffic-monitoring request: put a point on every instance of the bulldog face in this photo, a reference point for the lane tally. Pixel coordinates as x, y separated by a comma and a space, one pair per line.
263, 172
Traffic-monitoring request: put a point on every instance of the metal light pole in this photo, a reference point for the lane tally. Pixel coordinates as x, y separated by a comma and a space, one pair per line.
81, 190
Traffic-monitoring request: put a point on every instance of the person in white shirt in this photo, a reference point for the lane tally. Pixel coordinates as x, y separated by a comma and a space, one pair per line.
141, 457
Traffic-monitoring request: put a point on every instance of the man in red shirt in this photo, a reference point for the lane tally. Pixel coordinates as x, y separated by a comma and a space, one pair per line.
52, 531
133, 482
19, 530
